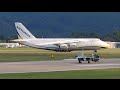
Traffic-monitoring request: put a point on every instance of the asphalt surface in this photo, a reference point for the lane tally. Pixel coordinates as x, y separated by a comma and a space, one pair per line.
63, 65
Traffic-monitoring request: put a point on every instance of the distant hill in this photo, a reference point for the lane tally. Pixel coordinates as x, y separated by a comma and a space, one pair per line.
60, 24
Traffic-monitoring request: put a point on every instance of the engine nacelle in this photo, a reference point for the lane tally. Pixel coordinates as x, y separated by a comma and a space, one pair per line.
73, 45
64, 46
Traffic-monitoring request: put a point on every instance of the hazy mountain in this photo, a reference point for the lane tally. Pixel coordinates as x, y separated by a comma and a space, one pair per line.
59, 24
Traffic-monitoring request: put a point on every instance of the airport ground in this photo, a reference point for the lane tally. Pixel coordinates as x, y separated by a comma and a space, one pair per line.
24, 58
66, 69
113, 73
31, 54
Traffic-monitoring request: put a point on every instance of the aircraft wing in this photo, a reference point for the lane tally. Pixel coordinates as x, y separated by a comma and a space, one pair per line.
59, 42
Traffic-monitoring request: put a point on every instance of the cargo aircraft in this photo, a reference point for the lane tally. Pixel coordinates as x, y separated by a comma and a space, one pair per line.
57, 44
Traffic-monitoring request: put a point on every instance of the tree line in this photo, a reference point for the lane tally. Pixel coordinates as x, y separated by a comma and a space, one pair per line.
114, 36
4, 39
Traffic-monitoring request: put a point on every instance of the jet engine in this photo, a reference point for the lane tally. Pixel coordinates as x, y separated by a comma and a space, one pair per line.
73, 45
63, 46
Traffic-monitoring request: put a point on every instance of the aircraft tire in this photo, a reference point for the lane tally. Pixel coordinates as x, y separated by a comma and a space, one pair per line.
88, 61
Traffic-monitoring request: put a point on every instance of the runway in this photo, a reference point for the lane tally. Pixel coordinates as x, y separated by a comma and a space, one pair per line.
63, 65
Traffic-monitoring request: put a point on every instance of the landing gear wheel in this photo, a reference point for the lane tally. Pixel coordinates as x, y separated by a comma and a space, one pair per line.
88, 61
79, 61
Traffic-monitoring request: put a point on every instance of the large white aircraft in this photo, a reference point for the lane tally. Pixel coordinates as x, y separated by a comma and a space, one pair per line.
57, 44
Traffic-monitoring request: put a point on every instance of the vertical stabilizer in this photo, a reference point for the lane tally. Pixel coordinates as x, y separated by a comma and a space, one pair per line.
23, 32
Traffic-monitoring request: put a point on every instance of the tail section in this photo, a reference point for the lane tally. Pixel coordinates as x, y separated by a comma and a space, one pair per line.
23, 32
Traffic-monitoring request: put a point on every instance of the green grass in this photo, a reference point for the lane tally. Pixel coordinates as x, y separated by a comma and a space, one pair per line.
31, 54
78, 74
